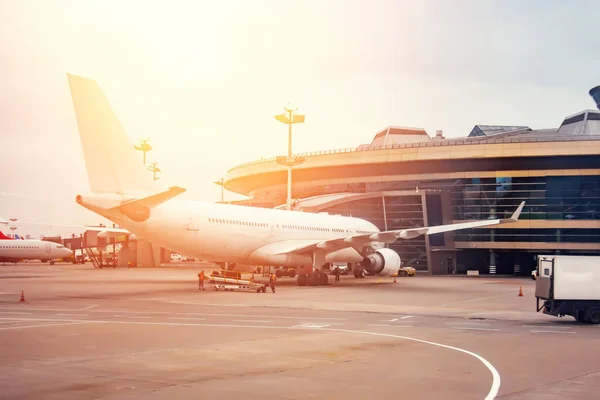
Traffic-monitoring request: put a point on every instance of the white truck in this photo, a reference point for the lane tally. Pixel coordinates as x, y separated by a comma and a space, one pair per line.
569, 285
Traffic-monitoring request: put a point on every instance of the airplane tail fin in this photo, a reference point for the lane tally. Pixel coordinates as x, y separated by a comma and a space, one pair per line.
110, 159
3, 236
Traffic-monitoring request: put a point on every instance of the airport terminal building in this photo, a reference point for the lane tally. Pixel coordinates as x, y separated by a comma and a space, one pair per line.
406, 178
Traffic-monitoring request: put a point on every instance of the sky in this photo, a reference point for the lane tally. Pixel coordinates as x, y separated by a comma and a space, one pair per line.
203, 80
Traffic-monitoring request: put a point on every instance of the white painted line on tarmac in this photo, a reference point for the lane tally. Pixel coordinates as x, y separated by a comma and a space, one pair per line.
468, 323
89, 307
471, 328
250, 320
546, 327
541, 331
403, 326
130, 316
189, 318
398, 321
310, 326
493, 392
378, 325
41, 325
15, 313
478, 299
406, 317
179, 313
76, 315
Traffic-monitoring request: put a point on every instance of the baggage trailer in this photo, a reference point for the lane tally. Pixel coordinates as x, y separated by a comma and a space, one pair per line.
569, 285
237, 284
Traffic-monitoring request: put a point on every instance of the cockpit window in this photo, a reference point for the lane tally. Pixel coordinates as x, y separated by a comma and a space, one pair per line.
60, 247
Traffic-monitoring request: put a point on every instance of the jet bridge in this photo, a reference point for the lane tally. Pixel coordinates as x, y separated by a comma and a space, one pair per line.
104, 248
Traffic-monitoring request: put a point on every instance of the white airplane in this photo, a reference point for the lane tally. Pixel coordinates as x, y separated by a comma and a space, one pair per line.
124, 193
12, 250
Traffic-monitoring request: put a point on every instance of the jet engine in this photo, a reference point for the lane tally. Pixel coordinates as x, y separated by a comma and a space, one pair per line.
382, 262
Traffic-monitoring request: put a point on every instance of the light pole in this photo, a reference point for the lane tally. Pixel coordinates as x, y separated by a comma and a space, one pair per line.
289, 118
152, 167
221, 183
13, 228
144, 147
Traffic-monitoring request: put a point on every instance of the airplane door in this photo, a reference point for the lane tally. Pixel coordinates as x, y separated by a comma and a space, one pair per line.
192, 224
48, 248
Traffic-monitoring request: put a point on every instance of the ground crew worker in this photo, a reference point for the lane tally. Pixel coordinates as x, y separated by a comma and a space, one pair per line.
272, 280
336, 272
201, 280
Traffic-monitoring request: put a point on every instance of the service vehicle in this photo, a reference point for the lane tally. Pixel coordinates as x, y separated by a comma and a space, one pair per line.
569, 285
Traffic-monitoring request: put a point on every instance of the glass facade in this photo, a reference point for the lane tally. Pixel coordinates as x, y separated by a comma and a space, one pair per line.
546, 198
529, 235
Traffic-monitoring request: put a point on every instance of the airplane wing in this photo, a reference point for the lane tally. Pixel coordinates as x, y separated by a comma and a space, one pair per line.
359, 241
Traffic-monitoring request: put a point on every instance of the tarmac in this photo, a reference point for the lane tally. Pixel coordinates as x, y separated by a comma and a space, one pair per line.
151, 334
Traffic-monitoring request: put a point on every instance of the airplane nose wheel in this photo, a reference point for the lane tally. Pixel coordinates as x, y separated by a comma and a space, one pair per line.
323, 279
302, 279
316, 278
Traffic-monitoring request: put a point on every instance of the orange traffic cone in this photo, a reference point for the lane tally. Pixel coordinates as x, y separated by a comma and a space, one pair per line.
22, 297
395, 279
520, 291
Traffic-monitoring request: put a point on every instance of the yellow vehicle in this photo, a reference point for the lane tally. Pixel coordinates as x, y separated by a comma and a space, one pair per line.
406, 271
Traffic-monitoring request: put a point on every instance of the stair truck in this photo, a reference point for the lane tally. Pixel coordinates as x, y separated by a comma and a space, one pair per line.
569, 285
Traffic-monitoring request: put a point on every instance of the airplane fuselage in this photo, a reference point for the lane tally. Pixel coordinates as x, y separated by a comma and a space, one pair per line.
16, 250
245, 235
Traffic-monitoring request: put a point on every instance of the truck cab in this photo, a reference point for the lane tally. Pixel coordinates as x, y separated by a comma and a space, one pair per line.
569, 285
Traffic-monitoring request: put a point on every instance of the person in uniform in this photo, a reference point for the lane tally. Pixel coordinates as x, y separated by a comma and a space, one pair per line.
336, 272
272, 280
201, 280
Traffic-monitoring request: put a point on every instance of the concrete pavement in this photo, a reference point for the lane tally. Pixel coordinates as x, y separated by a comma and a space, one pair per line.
150, 334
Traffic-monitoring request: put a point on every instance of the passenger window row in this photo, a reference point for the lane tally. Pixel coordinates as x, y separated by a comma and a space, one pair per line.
284, 226
234, 222
306, 228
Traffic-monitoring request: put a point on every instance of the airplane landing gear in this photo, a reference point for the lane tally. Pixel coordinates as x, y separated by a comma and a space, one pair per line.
302, 279
313, 279
323, 279
359, 273
316, 278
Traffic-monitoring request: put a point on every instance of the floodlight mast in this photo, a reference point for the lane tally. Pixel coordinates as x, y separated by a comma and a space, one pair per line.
290, 160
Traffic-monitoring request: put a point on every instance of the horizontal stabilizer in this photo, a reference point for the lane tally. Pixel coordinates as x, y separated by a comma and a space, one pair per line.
154, 200
139, 209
